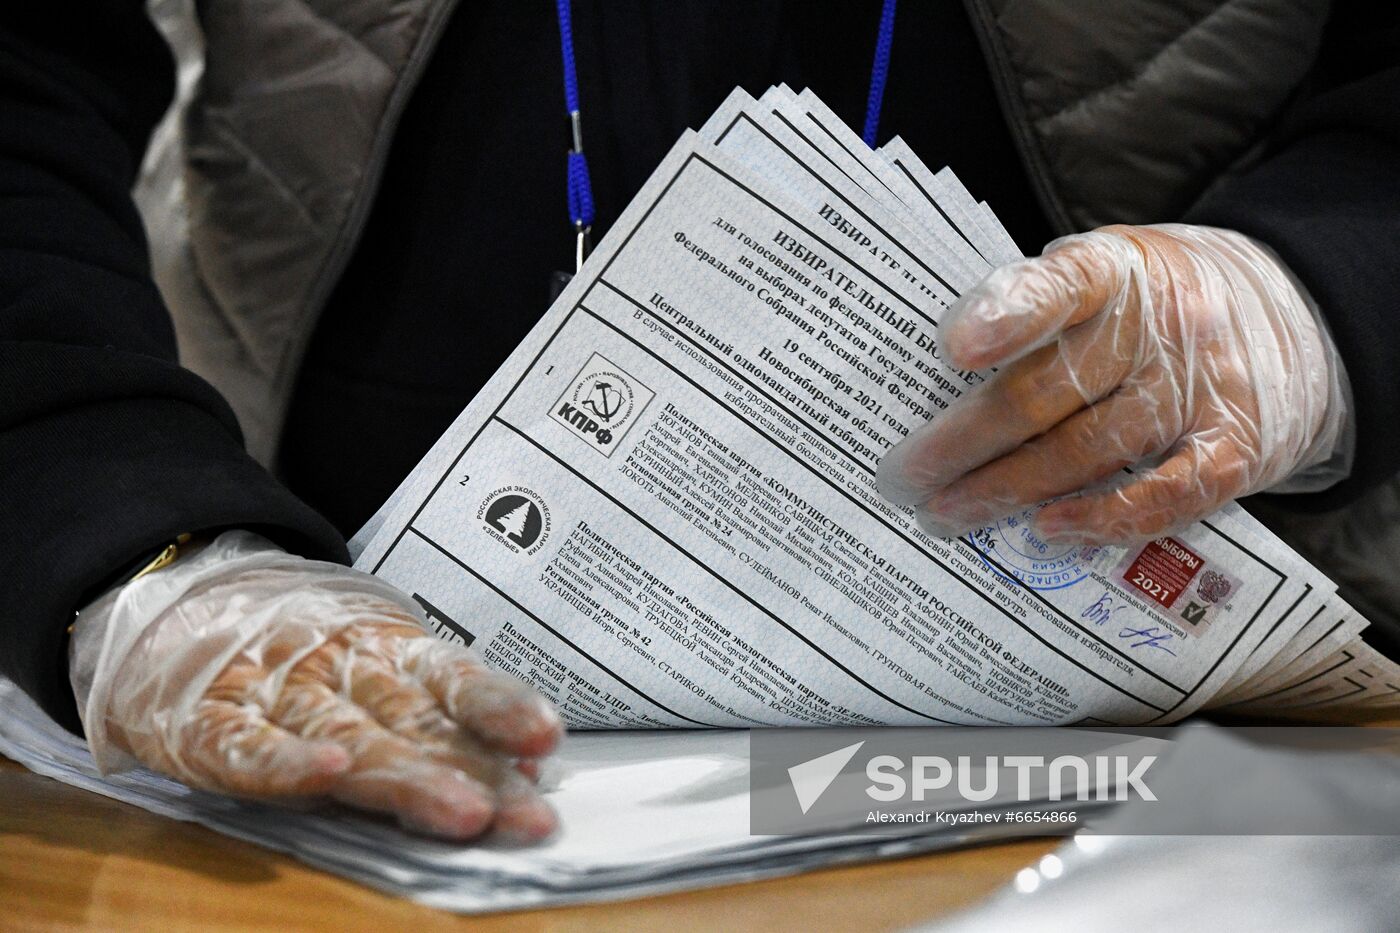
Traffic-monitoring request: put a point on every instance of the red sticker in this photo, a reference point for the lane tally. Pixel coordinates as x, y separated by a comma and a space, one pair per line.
1163, 569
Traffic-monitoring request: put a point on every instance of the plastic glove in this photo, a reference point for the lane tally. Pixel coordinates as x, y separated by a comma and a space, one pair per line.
1188, 353
249, 671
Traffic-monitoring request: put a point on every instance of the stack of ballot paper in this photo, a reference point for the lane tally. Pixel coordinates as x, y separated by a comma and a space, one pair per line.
642, 813
661, 513
661, 510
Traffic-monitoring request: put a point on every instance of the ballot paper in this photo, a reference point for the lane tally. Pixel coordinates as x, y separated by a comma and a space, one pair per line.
661, 512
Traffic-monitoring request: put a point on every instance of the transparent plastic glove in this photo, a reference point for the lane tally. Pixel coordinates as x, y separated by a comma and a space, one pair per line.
249, 671
1187, 353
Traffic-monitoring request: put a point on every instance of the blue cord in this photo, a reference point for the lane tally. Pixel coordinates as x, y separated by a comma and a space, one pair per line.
580, 187
879, 72
566, 40
580, 192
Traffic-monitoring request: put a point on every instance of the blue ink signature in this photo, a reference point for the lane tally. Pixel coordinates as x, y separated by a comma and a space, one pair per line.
1101, 610
1151, 638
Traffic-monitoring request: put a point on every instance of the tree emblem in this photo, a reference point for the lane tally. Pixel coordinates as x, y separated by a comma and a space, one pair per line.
513, 522
517, 518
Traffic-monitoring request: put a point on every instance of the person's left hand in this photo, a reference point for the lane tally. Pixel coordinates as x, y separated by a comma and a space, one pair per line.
244, 670
1189, 353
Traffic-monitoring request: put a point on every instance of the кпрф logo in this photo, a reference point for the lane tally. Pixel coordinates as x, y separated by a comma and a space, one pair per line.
601, 403
517, 517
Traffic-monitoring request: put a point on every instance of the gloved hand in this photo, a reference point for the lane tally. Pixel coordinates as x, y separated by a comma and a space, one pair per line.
249, 671
1188, 353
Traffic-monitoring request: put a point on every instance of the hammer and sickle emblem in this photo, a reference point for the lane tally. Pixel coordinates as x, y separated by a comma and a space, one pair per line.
604, 400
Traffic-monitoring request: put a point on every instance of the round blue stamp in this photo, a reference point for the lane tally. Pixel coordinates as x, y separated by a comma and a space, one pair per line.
1011, 548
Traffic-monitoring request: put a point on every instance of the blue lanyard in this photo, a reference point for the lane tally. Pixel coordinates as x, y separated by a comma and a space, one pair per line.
580, 188
879, 72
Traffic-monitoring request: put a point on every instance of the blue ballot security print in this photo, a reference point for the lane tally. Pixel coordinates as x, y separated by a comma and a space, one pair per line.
1011, 549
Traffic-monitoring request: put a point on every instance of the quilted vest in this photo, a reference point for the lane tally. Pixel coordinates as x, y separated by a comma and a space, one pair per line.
257, 186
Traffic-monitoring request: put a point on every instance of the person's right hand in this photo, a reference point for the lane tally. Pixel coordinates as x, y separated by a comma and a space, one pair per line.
1190, 354
252, 672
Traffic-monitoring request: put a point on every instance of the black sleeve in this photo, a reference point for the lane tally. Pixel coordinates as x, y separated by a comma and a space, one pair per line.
1327, 199
107, 447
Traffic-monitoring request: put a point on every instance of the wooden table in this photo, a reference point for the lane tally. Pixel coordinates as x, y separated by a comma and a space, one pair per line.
71, 859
